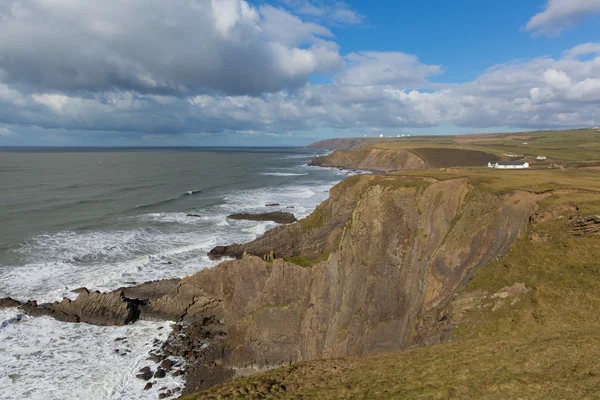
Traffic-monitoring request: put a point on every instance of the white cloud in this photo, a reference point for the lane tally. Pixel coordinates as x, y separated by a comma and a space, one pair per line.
385, 68
560, 14
584, 49
156, 70
5, 131
331, 12
537, 93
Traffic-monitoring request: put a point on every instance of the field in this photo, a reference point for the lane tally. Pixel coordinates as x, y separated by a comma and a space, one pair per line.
572, 145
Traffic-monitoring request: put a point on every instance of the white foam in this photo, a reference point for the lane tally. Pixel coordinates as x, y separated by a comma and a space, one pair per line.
41, 358
58, 360
281, 174
57, 264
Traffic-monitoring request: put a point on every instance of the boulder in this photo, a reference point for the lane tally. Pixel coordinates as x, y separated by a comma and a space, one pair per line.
145, 374
235, 250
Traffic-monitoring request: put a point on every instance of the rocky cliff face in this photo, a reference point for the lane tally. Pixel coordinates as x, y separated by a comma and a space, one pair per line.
398, 248
389, 160
372, 159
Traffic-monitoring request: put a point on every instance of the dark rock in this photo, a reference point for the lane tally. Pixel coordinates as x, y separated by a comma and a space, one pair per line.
235, 250
154, 357
79, 290
160, 373
145, 374
167, 364
163, 396
272, 205
148, 386
178, 372
8, 302
31, 308
194, 215
276, 216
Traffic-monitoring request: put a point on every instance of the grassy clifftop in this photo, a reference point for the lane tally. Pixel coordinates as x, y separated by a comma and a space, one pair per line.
525, 326
569, 149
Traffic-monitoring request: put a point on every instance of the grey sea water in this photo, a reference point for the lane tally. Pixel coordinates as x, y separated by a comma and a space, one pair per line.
106, 218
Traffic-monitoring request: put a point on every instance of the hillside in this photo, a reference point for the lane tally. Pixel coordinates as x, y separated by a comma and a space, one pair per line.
496, 272
523, 327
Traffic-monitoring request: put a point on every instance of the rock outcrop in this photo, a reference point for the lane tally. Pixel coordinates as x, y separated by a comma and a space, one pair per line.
583, 226
279, 217
91, 307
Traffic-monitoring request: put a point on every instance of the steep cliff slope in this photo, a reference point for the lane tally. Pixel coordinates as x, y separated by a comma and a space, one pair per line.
398, 247
526, 322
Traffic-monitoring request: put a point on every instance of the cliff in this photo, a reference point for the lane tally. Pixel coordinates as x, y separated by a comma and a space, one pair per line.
524, 326
397, 248
371, 159
398, 159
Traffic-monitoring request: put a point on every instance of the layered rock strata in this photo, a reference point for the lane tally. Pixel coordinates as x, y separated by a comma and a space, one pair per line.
398, 248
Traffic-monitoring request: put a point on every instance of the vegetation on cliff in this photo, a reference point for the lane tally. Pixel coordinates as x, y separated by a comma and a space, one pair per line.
510, 293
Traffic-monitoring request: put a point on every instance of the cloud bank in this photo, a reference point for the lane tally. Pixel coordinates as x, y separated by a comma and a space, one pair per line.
148, 68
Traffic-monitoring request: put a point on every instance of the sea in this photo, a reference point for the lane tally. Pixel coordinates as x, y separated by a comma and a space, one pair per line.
108, 218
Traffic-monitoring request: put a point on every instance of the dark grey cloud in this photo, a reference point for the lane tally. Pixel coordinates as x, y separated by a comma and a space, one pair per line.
153, 46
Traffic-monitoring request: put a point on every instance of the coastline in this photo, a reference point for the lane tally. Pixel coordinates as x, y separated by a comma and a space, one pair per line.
294, 193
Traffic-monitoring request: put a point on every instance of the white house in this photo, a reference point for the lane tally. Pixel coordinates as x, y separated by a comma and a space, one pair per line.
509, 165
540, 158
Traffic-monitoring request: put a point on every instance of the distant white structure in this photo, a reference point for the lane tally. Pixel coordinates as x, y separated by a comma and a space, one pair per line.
525, 143
512, 155
509, 165
540, 158
381, 135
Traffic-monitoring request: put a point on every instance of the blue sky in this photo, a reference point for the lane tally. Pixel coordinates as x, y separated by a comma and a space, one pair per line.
466, 37
289, 72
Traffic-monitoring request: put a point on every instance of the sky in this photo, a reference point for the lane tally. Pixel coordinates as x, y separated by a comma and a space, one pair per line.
291, 72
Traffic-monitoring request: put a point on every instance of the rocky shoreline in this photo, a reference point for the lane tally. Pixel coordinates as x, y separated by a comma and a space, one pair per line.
343, 281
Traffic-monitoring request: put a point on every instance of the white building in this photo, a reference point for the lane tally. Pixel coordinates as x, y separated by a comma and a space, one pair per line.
509, 165
540, 158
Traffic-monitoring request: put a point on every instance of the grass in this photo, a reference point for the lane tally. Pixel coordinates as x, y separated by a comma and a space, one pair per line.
307, 262
571, 145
